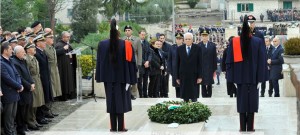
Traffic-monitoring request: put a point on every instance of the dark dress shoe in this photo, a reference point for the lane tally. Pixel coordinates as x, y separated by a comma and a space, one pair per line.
262, 95
38, 125
132, 97
43, 121
34, 128
123, 130
50, 116
27, 130
48, 120
113, 130
21, 132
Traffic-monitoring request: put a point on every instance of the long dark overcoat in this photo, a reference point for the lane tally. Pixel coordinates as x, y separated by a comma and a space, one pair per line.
188, 70
116, 76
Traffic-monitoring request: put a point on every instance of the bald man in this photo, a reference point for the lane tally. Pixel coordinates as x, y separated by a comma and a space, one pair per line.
275, 63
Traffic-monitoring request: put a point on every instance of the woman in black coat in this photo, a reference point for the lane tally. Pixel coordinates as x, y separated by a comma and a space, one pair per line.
156, 67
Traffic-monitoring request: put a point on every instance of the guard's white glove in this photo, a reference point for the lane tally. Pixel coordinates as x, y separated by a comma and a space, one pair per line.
258, 86
127, 86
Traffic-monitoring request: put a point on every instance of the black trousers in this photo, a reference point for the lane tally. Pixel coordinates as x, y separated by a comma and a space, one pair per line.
177, 89
247, 122
22, 114
276, 88
143, 84
164, 89
206, 90
9, 115
263, 88
116, 119
154, 85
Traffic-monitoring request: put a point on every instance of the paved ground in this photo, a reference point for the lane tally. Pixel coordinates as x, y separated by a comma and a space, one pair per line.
277, 116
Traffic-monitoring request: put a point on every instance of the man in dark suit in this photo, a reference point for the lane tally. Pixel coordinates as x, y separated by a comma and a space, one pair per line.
11, 85
209, 63
275, 63
188, 70
26, 95
269, 51
165, 47
45, 77
144, 68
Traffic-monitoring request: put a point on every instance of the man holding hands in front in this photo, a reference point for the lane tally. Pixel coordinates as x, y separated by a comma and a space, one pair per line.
188, 69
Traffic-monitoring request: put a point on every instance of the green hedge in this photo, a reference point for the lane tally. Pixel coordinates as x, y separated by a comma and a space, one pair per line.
87, 65
92, 39
188, 112
292, 46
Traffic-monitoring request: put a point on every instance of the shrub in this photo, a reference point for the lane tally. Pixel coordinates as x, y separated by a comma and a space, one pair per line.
87, 65
59, 28
103, 26
169, 112
93, 39
292, 46
192, 3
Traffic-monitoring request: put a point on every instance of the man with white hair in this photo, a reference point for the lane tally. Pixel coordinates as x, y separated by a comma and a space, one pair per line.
188, 70
66, 67
26, 95
275, 62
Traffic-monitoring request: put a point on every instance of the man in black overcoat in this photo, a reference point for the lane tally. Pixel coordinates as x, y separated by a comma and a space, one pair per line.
269, 51
66, 67
26, 95
45, 79
188, 70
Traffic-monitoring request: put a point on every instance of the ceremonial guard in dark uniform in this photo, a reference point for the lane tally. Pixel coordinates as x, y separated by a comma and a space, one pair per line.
117, 69
172, 61
246, 66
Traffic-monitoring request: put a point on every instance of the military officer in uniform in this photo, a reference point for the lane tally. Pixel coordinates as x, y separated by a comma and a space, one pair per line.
172, 61
138, 50
209, 63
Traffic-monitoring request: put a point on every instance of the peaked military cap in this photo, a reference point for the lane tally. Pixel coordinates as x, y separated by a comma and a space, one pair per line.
39, 38
127, 27
204, 32
29, 46
251, 18
178, 35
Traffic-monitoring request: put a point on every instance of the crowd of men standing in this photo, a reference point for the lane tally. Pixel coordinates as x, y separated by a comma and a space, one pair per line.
157, 60
34, 74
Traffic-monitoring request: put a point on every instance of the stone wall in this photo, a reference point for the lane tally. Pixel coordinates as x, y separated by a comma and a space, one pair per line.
295, 77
